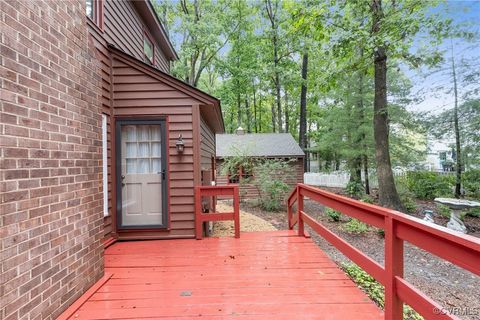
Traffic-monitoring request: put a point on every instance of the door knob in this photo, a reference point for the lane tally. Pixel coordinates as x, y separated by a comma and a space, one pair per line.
123, 177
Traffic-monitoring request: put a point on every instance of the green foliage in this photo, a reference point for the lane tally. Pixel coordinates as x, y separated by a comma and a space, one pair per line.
333, 215
474, 212
355, 189
471, 183
355, 226
374, 289
429, 185
240, 159
444, 211
406, 196
381, 232
270, 179
367, 199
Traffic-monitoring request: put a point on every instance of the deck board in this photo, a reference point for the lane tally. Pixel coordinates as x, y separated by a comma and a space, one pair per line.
262, 275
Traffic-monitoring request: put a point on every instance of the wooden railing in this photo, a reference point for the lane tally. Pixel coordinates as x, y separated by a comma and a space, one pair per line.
461, 250
214, 191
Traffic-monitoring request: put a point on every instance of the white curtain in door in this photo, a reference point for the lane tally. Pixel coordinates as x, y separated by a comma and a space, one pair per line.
143, 149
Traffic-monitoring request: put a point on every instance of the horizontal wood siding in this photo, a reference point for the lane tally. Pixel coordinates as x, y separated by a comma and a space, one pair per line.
250, 191
207, 146
124, 28
138, 94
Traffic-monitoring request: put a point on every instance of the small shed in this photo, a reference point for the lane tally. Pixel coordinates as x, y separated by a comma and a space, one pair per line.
260, 146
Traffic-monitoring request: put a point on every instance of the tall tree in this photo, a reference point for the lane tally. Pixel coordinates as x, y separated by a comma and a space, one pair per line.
458, 153
388, 195
273, 12
302, 134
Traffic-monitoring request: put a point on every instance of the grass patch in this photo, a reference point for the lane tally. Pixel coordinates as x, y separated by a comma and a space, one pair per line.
333, 215
355, 226
374, 289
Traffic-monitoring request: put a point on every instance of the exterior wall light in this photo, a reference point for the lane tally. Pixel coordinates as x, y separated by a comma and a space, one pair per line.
179, 144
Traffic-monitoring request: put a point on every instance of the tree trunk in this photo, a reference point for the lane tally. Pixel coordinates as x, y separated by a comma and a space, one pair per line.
239, 110
458, 169
260, 113
274, 119
255, 108
365, 173
387, 191
287, 114
248, 114
302, 134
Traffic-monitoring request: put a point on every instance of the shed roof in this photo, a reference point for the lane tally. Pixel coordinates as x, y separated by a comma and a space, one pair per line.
258, 145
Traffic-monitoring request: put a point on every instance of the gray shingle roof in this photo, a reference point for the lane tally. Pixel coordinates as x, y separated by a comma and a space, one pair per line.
258, 145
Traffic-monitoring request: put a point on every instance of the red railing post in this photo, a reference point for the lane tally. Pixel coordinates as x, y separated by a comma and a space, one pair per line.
301, 231
393, 268
198, 214
236, 211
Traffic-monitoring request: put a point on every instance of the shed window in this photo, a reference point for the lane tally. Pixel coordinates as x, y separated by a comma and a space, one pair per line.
94, 10
148, 49
243, 173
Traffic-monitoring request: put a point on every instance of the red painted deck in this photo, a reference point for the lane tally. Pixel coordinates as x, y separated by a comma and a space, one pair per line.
262, 275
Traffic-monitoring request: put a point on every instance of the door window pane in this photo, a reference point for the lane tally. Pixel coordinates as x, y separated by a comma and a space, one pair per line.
142, 149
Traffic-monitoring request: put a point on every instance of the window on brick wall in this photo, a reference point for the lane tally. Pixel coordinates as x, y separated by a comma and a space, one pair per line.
94, 10
105, 165
242, 174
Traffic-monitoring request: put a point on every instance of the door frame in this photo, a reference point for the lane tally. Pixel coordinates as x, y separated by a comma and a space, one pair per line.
163, 122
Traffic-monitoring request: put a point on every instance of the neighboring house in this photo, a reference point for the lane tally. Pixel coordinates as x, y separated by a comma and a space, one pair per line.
99, 142
440, 156
257, 146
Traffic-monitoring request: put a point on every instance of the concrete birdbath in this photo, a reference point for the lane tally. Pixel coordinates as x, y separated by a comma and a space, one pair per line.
457, 205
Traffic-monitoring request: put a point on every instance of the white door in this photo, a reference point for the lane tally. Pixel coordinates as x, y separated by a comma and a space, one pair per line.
142, 175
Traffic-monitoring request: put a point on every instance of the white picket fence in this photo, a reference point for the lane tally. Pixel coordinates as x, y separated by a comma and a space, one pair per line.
339, 179
333, 179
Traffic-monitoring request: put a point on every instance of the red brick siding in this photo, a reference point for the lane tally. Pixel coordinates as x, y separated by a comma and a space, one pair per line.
250, 191
51, 219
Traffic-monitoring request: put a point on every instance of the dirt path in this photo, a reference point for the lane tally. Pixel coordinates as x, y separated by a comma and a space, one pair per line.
248, 222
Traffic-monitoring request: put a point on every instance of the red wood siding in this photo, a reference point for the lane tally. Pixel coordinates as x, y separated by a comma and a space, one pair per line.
207, 146
136, 93
124, 28
250, 191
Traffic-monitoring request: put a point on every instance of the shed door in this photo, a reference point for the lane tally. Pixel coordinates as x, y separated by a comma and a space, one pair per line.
143, 174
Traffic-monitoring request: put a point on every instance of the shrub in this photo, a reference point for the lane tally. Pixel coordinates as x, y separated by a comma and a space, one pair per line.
471, 183
355, 226
443, 210
474, 212
429, 185
333, 215
367, 199
374, 289
270, 179
355, 189
406, 196
410, 204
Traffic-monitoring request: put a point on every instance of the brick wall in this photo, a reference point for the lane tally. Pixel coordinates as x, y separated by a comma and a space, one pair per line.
50, 136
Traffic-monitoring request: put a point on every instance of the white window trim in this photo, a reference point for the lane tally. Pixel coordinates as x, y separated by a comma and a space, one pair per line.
104, 165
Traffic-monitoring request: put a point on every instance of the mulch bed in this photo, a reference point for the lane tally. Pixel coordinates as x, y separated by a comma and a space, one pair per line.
442, 281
